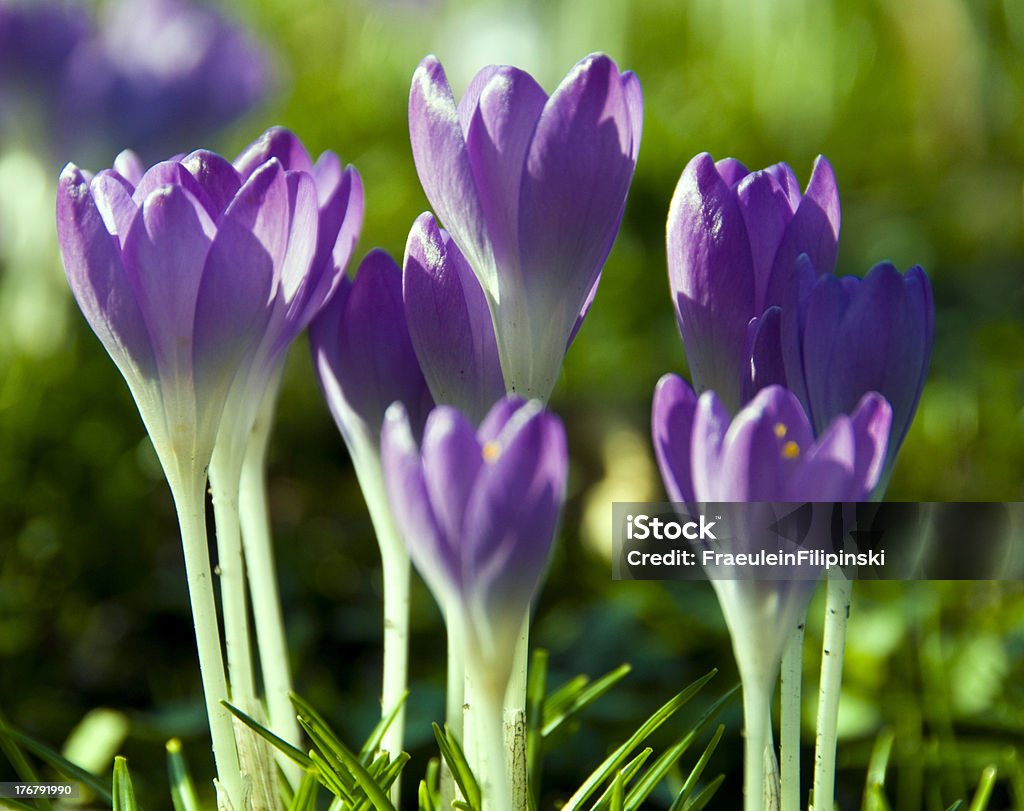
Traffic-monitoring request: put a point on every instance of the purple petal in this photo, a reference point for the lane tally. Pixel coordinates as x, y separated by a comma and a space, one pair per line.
361, 341
583, 312
172, 173
113, 197
500, 415
578, 170
511, 518
765, 352
442, 162
814, 229
767, 210
341, 220
92, 261
165, 251
128, 165
497, 139
872, 422
471, 98
826, 471
672, 415
731, 171
218, 178
451, 459
711, 275
449, 322
436, 558
710, 425
277, 142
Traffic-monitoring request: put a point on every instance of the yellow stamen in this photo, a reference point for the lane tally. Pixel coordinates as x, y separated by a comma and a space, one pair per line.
790, 450
491, 451
780, 429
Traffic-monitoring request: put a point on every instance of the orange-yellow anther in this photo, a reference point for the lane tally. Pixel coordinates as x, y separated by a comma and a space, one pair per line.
491, 451
780, 429
790, 450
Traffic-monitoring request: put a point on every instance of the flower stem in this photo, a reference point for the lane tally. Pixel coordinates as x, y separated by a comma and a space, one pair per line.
266, 602
757, 737
485, 739
837, 611
189, 502
514, 717
396, 572
789, 721
224, 477
454, 702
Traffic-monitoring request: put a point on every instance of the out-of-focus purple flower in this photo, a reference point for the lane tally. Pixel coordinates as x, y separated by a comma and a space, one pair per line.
478, 509
184, 272
849, 336
449, 322
35, 41
532, 190
733, 240
364, 358
767, 452
158, 73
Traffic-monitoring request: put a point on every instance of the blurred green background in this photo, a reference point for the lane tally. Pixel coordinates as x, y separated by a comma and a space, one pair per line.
918, 104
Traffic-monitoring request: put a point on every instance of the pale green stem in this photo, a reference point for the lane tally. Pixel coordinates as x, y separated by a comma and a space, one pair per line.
224, 477
266, 602
485, 738
514, 716
454, 702
189, 500
757, 738
837, 610
789, 719
396, 573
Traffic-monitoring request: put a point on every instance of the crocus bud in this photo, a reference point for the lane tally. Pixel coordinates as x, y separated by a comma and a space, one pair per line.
532, 189
478, 509
733, 239
449, 322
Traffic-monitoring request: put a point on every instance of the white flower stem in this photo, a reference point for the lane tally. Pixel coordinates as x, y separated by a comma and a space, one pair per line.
756, 737
837, 610
190, 502
224, 477
514, 716
455, 695
266, 602
396, 571
789, 719
485, 738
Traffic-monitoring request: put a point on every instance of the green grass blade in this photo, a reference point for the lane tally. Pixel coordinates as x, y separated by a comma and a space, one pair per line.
345, 763
328, 775
618, 793
536, 684
704, 797
124, 791
305, 795
373, 742
874, 786
20, 763
183, 793
695, 774
280, 744
458, 765
615, 760
59, 763
17, 805
562, 697
426, 800
984, 791
584, 698
956, 806
627, 773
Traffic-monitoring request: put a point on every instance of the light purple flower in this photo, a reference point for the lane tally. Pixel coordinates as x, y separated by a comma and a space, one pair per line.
186, 272
478, 509
733, 239
532, 190
363, 357
449, 322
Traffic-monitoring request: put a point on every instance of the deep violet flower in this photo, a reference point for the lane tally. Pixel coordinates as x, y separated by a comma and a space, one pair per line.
733, 239
532, 190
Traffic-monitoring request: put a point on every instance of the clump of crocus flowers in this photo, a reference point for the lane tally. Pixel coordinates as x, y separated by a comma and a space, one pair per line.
197, 273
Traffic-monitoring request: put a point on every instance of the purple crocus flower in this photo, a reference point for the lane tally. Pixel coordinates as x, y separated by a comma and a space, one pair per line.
449, 322
478, 509
181, 271
733, 240
157, 72
849, 336
364, 358
532, 190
